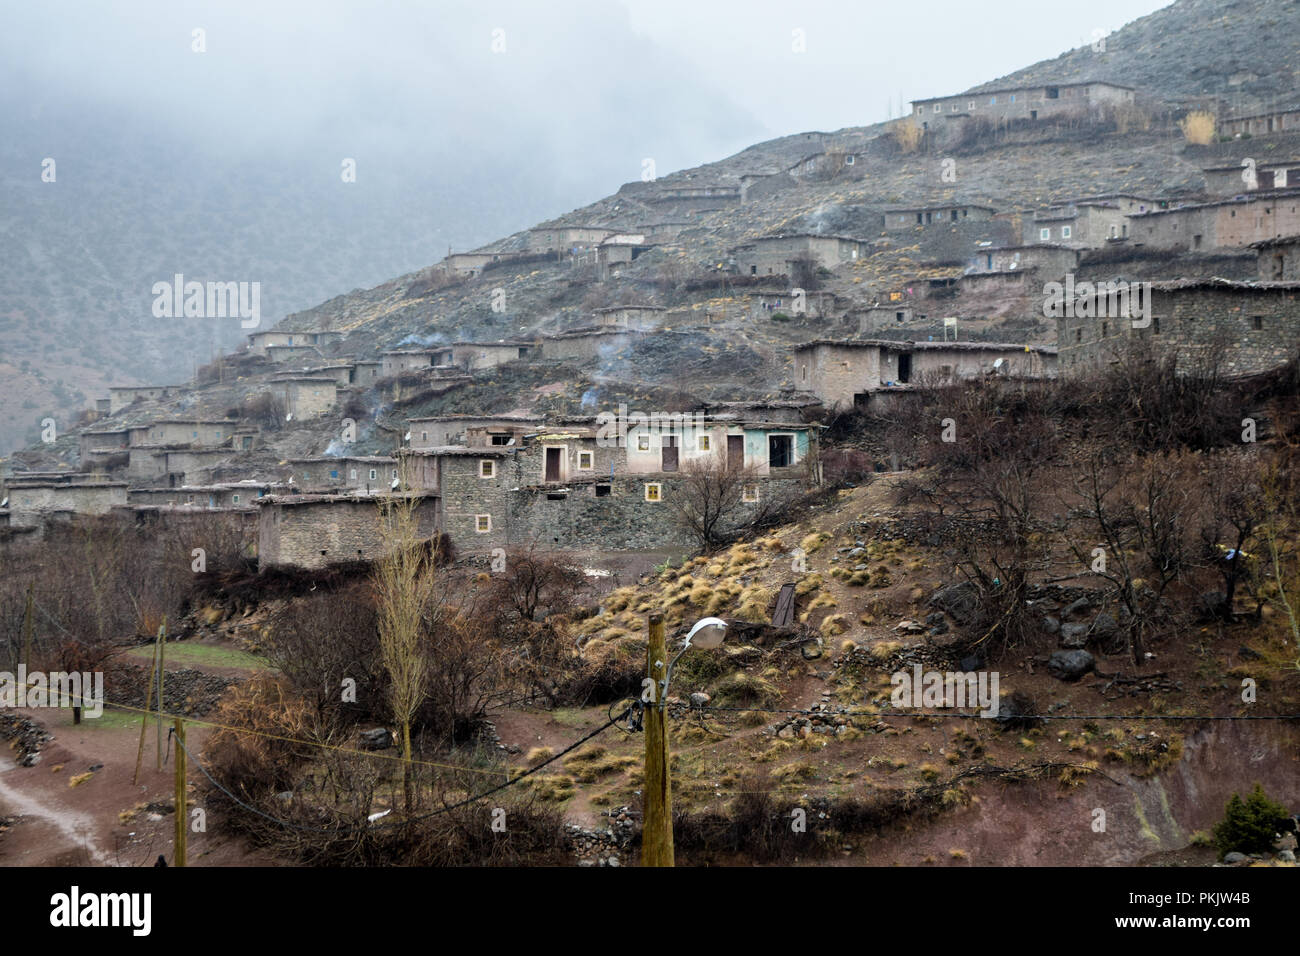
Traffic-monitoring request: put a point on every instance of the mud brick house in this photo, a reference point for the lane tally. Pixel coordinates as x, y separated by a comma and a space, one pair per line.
849, 372
637, 317
472, 430
184, 431
313, 531
1087, 223
1245, 326
907, 218
215, 497
261, 341
365, 372
1047, 260
1262, 124
34, 501
568, 239
399, 361
120, 396
1224, 182
472, 356
587, 344
778, 255
359, 474
342, 374
620, 249
1037, 102
1237, 222
1278, 259
306, 396
470, 264
99, 445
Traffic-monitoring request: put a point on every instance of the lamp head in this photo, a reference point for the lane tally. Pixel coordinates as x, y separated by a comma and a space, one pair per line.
708, 633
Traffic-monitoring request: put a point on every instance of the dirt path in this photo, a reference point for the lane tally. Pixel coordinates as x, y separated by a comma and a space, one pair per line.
51, 833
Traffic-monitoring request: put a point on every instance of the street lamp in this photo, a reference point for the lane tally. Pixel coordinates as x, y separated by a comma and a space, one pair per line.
657, 825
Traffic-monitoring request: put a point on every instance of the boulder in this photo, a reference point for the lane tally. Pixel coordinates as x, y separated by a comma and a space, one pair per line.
378, 739
1070, 665
1051, 624
1074, 635
959, 601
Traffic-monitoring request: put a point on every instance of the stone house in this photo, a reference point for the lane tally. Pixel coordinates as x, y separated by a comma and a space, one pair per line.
470, 430
586, 344
1048, 260
1237, 222
215, 497
358, 474
400, 361
472, 356
1037, 102
120, 396
1224, 182
846, 373
778, 255
306, 396
1278, 260
1246, 326
906, 218
637, 317
260, 341
314, 531
567, 238
621, 249
365, 372
1079, 224
184, 431
470, 264
33, 501
1261, 124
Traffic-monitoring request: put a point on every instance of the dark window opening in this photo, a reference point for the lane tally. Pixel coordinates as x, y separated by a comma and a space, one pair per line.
1053, 92
905, 367
1257, 322
780, 451
668, 453
602, 491
556, 496
500, 439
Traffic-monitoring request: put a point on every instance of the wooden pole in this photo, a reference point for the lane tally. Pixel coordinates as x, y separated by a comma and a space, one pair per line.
182, 814
144, 714
28, 624
162, 659
657, 828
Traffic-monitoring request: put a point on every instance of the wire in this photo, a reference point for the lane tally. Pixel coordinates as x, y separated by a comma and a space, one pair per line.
883, 715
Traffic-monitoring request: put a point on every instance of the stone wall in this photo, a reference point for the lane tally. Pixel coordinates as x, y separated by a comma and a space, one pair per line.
1252, 328
316, 533
28, 505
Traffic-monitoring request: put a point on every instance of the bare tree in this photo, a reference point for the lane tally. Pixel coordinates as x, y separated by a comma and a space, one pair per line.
707, 498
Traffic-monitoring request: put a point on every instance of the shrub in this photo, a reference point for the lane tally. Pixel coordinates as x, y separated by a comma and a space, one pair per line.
1248, 826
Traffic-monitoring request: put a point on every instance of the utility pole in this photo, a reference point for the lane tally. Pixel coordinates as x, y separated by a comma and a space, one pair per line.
162, 659
657, 826
28, 622
182, 815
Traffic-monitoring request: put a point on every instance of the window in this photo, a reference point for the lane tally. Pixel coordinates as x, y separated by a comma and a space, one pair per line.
487, 468
750, 493
424, 436
1257, 322
234, 499
353, 474
938, 107
1066, 232
602, 491
501, 439
703, 442
1155, 325
482, 524
1044, 234
373, 474
586, 460
394, 472
970, 105
1105, 329
642, 442
1078, 335
993, 101
652, 492
334, 472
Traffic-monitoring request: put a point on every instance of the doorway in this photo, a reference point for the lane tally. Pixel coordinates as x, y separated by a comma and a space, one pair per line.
554, 461
780, 451
735, 452
668, 453
905, 367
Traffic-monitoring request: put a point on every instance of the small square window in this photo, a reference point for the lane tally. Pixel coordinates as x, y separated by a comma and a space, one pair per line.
373, 474
1044, 234
352, 475
482, 524
487, 468
334, 473
642, 442
652, 492
234, 499
1066, 232
602, 491
1257, 322
703, 442
750, 493
586, 460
